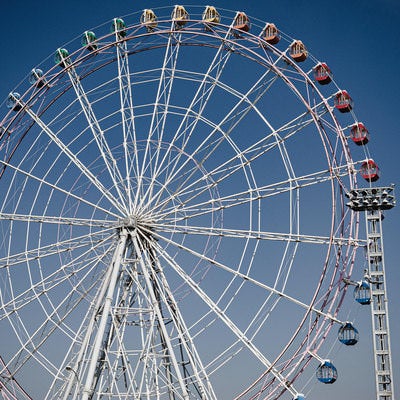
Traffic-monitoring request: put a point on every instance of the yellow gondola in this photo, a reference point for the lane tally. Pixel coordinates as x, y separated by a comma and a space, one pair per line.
211, 15
180, 16
149, 20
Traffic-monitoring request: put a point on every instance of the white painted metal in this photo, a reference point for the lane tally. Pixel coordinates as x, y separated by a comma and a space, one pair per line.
379, 307
97, 354
176, 202
373, 201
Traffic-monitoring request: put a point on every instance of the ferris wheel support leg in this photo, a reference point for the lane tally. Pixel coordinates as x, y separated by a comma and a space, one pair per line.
112, 283
74, 369
166, 342
203, 383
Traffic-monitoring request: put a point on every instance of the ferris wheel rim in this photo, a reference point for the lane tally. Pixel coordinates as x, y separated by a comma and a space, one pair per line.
333, 230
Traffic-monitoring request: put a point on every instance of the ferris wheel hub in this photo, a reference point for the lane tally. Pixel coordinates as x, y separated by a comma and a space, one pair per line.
130, 222
135, 224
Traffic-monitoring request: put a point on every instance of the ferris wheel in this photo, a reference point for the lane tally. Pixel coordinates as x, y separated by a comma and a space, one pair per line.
173, 213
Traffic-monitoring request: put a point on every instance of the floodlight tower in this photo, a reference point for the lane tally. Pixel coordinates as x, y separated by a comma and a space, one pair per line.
373, 201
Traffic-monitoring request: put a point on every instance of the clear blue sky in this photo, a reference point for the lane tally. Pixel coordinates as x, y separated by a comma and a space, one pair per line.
359, 41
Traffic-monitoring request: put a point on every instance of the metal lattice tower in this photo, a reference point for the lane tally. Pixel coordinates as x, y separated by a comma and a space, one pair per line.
373, 201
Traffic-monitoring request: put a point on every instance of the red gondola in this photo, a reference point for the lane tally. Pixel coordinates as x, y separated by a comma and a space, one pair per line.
359, 134
36, 78
242, 22
271, 34
322, 74
369, 170
298, 51
343, 101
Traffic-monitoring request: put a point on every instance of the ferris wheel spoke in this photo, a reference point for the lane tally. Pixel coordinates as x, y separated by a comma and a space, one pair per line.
250, 195
237, 274
72, 157
197, 104
55, 248
15, 390
47, 219
57, 188
235, 164
260, 148
97, 132
78, 265
249, 234
166, 174
223, 317
54, 320
200, 186
232, 118
29, 352
81, 265
161, 104
128, 117
294, 126
242, 158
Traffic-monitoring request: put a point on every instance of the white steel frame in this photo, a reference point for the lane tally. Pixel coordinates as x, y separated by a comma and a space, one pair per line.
147, 198
379, 307
373, 201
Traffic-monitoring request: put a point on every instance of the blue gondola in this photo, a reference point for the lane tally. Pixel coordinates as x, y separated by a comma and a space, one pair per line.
362, 293
11, 102
300, 396
36, 78
347, 334
326, 372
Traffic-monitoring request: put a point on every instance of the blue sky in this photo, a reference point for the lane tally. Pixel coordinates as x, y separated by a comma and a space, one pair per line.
359, 41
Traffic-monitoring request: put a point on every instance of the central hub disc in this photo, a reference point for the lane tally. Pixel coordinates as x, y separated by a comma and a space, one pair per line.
131, 222
136, 222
